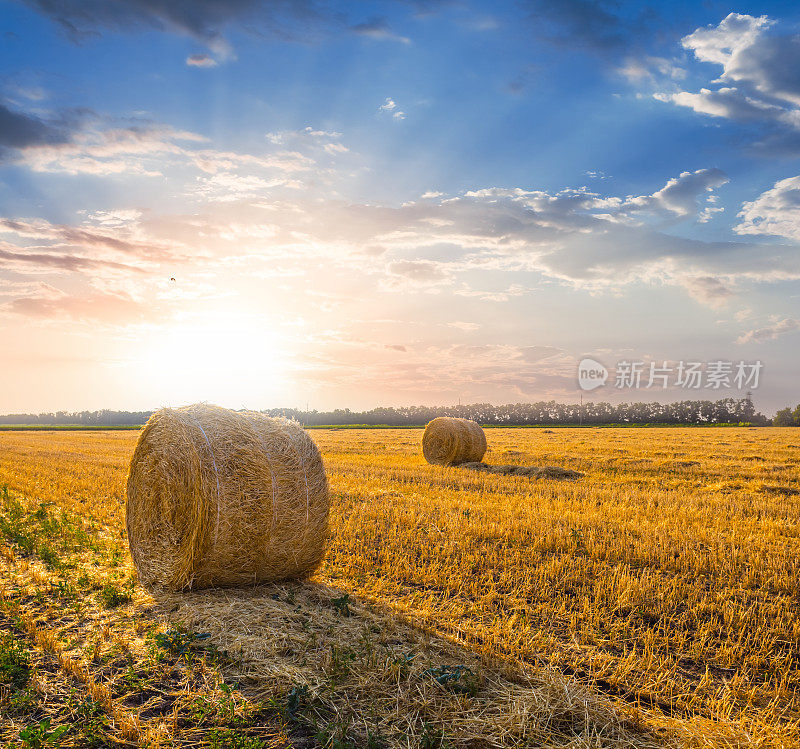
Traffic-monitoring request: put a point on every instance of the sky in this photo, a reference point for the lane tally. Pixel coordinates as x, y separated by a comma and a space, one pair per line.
350, 205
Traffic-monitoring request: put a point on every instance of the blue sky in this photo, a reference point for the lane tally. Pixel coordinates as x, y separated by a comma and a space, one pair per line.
393, 203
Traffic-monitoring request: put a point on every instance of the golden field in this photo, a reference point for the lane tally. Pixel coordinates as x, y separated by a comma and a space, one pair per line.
652, 602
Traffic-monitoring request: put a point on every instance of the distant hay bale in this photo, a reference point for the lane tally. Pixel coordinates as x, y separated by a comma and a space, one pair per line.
450, 441
221, 498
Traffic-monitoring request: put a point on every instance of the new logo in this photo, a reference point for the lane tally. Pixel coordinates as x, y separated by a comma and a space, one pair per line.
591, 374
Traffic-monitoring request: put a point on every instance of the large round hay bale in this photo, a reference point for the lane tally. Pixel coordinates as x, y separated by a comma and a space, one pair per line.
219, 497
450, 441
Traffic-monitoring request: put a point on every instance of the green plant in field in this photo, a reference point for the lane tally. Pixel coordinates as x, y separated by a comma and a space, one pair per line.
375, 740
111, 595
15, 669
226, 738
22, 702
13, 526
132, 680
342, 604
296, 700
335, 735
178, 642
225, 709
39, 735
90, 719
49, 556
432, 738
460, 679
63, 591
404, 662
41, 532
341, 660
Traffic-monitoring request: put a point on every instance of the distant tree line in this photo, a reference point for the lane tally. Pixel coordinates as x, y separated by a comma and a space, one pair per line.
786, 417
725, 411
81, 418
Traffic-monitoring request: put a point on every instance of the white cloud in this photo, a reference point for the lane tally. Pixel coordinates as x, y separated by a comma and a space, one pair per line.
310, 139
577, 237
708, 290
379, 29
647, 68
682, 194
493, 296
101, 147
229, 187
774, 212
760, 78
490, 245
725, 102
725, 43
201, 61
419, 273
777, 328
390, 106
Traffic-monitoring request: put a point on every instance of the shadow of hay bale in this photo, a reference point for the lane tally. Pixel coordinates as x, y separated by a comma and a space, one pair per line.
786, 491
534, 472
316, 652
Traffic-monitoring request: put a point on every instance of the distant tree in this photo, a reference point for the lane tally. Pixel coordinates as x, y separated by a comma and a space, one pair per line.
787, 418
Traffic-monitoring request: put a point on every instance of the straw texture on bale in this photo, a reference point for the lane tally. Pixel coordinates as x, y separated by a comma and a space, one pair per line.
223, 498
450, 441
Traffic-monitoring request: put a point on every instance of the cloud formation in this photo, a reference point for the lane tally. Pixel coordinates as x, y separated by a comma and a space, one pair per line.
603, 27
378, 28
759, 82
206, 21
201, 60
708, 290
492, 244
774, 212
390, 106
21, 130
118, 309
87, 143
778, 328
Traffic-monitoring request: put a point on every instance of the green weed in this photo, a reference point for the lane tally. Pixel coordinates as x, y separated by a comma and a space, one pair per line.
459, 679
39, 735
15, 669
227, 738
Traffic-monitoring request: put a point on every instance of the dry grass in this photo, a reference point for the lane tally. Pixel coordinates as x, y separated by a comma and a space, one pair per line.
651, 602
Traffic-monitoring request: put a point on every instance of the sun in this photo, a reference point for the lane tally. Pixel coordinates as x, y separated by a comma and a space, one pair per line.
233, 358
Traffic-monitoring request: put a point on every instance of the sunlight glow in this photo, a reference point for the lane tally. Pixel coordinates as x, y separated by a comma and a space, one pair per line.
231, 358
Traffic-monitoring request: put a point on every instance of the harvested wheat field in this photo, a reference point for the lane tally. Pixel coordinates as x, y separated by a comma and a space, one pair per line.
651, 601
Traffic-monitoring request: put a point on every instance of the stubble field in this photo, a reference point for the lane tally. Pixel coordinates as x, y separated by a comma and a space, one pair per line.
652, 602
